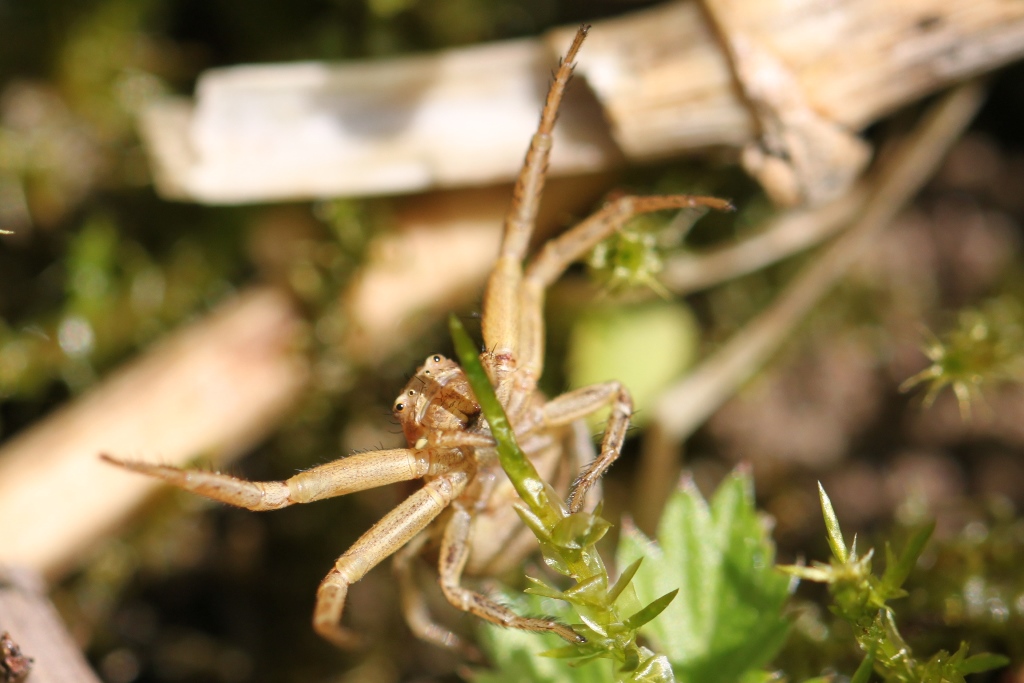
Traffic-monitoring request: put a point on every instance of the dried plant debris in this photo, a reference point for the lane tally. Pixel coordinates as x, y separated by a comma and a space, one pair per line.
14, 666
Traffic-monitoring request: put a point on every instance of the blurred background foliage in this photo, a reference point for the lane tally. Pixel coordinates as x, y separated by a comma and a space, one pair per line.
98, 267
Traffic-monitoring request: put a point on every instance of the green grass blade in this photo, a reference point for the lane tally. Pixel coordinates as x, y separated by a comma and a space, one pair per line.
517, 466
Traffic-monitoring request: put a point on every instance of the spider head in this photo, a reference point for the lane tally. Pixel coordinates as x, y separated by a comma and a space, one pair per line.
437, 398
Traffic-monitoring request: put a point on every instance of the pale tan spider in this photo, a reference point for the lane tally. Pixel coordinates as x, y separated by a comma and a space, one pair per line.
465, 499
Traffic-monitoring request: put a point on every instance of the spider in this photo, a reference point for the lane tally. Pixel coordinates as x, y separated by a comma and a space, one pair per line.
465, 499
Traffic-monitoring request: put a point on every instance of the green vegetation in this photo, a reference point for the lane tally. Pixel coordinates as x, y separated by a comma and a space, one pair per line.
983, 348
610, 613
862, 598
725, 622
95, 268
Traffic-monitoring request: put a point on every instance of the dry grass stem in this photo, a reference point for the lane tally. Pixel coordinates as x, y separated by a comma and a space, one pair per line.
782, 236
33, 623
213, 389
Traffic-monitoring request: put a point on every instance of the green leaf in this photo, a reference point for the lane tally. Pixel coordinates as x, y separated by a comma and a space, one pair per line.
653, 669
588, 591
624, 578
985, 661
570, 531
651, 611
897, 570
532, 521
727, 618
540, 588
762, 676
835, 534
527, 482
576, 652
863, 672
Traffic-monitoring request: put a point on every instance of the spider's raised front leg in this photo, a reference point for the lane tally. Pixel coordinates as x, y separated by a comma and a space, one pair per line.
542, 271
577, 404
357, 472
454, 554
501, 305
394, 530
559, 253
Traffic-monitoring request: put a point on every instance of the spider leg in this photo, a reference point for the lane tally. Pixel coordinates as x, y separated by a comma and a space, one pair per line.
579, 403
501, 300
454, 554
355, 473
384, 538
558, 253
414, 606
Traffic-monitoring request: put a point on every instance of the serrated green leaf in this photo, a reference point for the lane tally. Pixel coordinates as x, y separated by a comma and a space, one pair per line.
550, 555
727, 618
588, 659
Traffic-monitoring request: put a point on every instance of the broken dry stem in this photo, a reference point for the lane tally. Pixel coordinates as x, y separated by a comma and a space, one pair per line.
214, 387
691, 401
34, 624
666, 81
783, 236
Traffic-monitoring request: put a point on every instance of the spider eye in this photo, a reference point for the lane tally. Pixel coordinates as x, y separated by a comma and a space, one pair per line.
437, 359
399, 407
412, 392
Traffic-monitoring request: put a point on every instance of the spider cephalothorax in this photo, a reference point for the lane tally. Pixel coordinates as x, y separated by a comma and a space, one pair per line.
437, 398
450, 446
